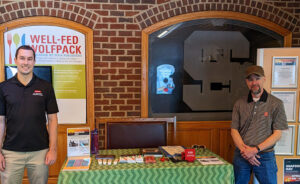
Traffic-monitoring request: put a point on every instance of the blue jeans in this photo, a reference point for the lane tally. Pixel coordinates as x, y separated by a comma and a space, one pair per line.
266, 172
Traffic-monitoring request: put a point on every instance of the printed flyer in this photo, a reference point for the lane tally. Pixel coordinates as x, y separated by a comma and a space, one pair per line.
78, 140
291, 171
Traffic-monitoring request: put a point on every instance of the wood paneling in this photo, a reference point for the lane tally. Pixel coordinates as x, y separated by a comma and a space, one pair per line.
215, 135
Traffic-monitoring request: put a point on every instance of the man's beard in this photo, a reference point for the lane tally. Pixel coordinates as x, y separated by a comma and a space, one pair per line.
256, 92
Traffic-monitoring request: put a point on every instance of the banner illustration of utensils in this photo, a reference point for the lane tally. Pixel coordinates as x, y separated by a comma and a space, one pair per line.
9, 40
16, 39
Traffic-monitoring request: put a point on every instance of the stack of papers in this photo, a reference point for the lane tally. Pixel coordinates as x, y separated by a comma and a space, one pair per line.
77, 163
210, 160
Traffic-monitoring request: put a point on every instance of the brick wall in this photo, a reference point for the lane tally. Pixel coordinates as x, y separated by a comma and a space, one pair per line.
117, 26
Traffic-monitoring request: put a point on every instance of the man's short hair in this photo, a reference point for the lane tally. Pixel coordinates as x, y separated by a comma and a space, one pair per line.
25, 47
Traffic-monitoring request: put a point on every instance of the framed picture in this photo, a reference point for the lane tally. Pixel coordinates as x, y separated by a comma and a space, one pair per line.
285, 146
285, 72
298, 142
289, 101
291, 170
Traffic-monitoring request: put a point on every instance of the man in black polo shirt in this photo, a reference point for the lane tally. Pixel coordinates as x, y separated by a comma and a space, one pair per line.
257, 122
25, 100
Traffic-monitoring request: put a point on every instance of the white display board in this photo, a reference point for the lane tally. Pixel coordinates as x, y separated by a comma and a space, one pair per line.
63, 50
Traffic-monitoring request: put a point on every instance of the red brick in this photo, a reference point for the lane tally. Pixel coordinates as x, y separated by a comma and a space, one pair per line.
117, 101
115, 90
134, 40
133, 77
101, 102
109, 107
109, 33
125, 71
126, 96
133, 89
109, 20
102, 114
93, 6
133, 101
134, 52
108, 58
125, 7
100, 77
101, 12
125, 33
126, 83
109, 46
117, 52
117, 77
117, 114
125, 46
126, 107
132, 26
117, 26
103, 64
109, 6
101, 51
101, 26
109, 71
110, 95
133, 114
125, 58
101, 90
117, 64
98, 108
109, 84
117, 39
130, 14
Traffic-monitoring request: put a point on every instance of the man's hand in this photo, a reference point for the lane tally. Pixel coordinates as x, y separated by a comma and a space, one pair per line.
254, 161
2, 162
50, 157
249, 152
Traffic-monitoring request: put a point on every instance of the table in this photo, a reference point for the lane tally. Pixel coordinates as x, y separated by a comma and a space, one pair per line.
159, 172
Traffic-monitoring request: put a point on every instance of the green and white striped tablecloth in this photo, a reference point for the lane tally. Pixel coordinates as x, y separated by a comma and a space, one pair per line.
158, 173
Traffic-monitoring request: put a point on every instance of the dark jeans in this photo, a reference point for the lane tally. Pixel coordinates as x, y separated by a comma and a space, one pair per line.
266, 173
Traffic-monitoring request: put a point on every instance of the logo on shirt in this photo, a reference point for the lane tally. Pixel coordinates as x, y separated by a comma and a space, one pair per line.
266, 114
37, 93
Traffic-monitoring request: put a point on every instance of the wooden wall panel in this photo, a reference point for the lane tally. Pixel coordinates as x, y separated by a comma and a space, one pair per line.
214, 135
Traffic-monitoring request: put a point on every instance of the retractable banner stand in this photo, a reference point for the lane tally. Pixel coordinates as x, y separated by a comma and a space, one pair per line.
60, 59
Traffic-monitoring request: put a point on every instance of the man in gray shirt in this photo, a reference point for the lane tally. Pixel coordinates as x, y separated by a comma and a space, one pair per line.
257, 122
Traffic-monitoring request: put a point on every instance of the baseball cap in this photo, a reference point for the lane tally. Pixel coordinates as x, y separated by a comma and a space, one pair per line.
257, 70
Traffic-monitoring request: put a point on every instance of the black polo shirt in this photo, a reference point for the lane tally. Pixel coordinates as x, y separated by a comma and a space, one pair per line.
25, 109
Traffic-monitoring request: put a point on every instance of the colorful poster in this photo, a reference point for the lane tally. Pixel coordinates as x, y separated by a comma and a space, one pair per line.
63, 50
78, 140
164, 80
291, 171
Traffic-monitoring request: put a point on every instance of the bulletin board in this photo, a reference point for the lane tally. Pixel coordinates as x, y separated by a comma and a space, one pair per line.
288, 88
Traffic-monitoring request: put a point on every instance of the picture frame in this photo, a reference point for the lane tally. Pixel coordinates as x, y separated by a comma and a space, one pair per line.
289, 101
285, 72
285, 146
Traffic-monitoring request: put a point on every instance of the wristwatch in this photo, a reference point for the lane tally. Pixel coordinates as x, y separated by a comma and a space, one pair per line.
257, 148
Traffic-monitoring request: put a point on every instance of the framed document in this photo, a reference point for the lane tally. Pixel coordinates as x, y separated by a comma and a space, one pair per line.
285, 72
291, 170
285, 146
298, 142
289, 101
